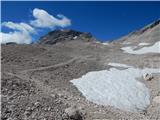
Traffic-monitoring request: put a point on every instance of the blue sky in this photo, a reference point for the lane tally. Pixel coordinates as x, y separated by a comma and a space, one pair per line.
105, 20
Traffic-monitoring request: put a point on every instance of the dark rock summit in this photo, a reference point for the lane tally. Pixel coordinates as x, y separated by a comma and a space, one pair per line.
56, 36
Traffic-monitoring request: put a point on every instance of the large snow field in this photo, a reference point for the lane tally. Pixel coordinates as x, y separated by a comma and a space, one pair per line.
151, 49
118, 88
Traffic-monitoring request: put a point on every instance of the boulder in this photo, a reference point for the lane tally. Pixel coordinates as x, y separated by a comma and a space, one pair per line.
74, 113
156, 99
148, 77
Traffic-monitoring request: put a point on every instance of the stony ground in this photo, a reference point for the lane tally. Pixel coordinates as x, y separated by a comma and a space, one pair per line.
36, 79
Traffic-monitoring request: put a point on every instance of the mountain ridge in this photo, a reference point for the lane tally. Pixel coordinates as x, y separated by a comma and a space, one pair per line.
61, 35
56, 36
140, 31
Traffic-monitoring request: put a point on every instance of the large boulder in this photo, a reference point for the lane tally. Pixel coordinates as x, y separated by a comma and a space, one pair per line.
148, 77
74, 113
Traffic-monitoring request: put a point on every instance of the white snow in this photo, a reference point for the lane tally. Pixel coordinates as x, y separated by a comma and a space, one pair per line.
105, 43
142, 44
119, 65
118, 88
75, 37
151, 49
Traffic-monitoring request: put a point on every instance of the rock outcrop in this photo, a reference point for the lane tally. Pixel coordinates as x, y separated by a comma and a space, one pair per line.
57, 36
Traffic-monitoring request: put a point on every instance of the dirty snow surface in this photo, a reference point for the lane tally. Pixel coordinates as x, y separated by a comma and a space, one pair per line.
151, 49
118, 88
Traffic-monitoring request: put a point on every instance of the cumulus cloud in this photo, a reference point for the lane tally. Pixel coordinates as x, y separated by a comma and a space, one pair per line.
19, 26
17, 37
22, 32
45, 20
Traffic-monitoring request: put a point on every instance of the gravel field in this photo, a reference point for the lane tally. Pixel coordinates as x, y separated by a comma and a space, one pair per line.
36, 78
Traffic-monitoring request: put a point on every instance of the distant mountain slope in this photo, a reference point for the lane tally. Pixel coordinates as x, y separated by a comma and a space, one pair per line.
147, 34
64, 35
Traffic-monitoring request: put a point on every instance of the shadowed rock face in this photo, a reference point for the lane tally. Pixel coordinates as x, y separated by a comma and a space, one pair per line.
64, 35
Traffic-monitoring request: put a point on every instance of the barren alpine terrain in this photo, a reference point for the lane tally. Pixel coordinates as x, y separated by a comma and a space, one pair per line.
69, 75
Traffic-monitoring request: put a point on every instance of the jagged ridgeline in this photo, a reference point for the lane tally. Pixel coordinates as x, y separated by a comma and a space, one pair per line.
56, 36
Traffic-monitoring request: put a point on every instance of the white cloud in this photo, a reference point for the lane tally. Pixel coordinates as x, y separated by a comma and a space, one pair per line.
21, 34
17, 37
19, 26
45, 20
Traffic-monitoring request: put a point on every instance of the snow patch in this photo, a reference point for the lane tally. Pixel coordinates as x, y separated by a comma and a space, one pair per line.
142, 44
75, 37
118, 88
119, 65
105, 43
151, 49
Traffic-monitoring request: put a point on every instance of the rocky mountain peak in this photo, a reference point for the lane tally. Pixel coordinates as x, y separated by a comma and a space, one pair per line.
61, 35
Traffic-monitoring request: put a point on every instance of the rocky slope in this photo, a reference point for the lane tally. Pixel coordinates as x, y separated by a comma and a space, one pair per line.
64, 35
149, 33
36, 79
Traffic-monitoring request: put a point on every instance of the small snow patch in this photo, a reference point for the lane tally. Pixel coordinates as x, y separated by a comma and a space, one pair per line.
151, 49
143, 44
118, 88
119, 65
105, 43
75, 37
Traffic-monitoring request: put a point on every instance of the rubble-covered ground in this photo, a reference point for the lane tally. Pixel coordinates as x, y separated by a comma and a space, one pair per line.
36, 79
